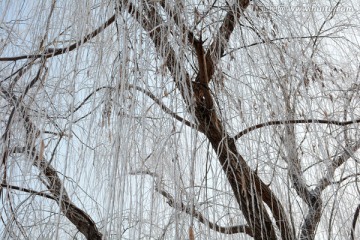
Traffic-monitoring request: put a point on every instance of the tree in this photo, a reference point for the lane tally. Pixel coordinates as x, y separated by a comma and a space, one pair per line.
179, 119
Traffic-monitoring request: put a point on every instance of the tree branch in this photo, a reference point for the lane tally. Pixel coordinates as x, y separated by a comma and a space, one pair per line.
163, 107
220, 41
81, 220
152, 23
274, 40
51, 52
337, 162
33, 192
178, 205
147, 93
248, 188
315, 206
284, 122
356, 216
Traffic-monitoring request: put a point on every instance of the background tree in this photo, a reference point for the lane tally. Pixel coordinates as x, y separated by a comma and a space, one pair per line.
179, 119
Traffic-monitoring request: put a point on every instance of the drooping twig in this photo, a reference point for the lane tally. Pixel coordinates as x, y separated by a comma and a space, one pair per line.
51, 52
247, 186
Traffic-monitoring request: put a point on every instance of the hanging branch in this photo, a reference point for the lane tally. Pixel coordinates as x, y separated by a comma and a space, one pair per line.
51, 52
247, 186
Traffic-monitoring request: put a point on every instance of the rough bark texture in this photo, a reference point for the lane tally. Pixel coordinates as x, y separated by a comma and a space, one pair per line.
250, 192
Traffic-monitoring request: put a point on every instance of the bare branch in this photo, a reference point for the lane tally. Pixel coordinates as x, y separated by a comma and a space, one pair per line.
32, 192
356, 216
247, 186
163, 107
78, 217
336, 162
51, 52
273, 41
285, 122
221, 39
152, 23
178, 205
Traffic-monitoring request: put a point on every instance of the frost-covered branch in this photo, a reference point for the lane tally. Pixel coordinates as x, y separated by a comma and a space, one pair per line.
221, 39
178, 205
246, 185
51, 52
81, 220
285, 122
355, 218
163, 106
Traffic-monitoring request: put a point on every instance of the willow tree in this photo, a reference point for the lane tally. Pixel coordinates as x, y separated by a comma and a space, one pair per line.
179, 119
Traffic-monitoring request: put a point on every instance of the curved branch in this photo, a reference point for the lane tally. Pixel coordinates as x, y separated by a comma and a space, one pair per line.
178, 205
284, 122
15, 101
271, 41
51, 52
356, 215
355, 175
33, 192
82, 221
198, 215
66, 202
